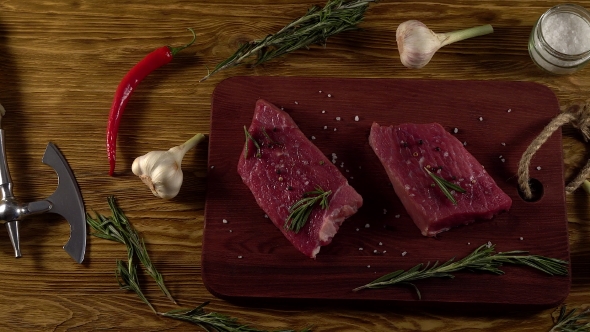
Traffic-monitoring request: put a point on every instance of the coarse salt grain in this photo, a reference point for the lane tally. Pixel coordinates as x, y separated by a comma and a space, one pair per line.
503, 144
375, 251
325, 127
521, 238
538, 168
464, 143
404, 253
503, 160
296, 103
356, 118
225, 221
266, 216
240, 257
360, 249
323, 111
335, 129
357, 229
380, 243
312, 137
397, 216
509, 110
338, 118
212, 167
456, 130
480, 118
384, 251
384, 211
367, 226
329, 95
368, 266
230, 231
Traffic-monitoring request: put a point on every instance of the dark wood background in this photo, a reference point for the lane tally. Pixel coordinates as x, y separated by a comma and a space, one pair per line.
60, 64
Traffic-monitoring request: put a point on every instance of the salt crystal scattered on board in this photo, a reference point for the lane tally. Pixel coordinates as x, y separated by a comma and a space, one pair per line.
240, 257
480, 118
356, 118
225, 221
538, 168
456, 130
338, 118
404, 253
325, 127
509, 110
380, 243
312, 137
384, 211
465, 143
367, 226
323, 111
212, 167
335, 129
329, 95
360, 249
397, 216
503, 144
521, 238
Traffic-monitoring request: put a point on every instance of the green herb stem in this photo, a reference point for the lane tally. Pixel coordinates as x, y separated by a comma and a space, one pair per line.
118, 228
312, 28
445, 186
300, 211
572, 322
482, 259
211, 321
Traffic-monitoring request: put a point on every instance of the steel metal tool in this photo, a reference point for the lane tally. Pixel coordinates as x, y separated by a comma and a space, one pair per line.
65, 201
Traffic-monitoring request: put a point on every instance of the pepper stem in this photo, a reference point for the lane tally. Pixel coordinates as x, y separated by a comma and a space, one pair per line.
175, 50
455, 36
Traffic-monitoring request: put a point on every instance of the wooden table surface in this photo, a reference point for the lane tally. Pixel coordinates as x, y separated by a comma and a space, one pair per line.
60, 64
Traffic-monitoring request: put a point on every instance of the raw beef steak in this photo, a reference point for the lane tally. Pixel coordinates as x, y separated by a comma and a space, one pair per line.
286, 166
407, 149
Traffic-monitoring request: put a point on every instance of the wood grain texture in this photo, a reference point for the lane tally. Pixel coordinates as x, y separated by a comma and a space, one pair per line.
60, 63
247, 258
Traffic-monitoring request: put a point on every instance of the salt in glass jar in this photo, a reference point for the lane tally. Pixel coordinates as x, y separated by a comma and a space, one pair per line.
560, 40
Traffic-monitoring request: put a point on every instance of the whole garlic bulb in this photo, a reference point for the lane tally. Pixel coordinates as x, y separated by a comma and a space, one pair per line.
161, 170
417, 44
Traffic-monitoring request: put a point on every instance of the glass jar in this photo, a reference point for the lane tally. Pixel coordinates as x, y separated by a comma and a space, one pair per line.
560, 40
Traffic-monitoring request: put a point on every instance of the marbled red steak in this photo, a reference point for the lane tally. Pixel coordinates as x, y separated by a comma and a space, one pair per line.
290, 165
406, 149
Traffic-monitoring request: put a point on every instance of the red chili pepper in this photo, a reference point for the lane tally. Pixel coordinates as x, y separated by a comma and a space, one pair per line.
151, 62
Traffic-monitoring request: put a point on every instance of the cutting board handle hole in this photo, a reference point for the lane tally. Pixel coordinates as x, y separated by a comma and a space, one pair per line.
536, 189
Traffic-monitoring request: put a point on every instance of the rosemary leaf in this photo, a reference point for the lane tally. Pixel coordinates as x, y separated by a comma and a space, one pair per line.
445, 185
249, 137
572, 322
300, 211
482, 259
312, 28
126, 274
211, 321
118, 228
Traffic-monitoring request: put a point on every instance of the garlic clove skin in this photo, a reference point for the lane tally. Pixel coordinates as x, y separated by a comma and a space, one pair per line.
416, 43
160, 171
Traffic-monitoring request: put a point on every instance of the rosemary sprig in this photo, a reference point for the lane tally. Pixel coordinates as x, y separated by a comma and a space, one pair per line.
211, 321
312, 28
445, 186
249, 137
483, 259
572, 322
126, 274
118, 228
299, 212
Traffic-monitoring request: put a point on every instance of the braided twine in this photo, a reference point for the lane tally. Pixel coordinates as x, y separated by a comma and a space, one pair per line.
576, 114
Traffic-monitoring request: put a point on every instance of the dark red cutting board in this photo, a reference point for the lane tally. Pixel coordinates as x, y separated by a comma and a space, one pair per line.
248, 257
